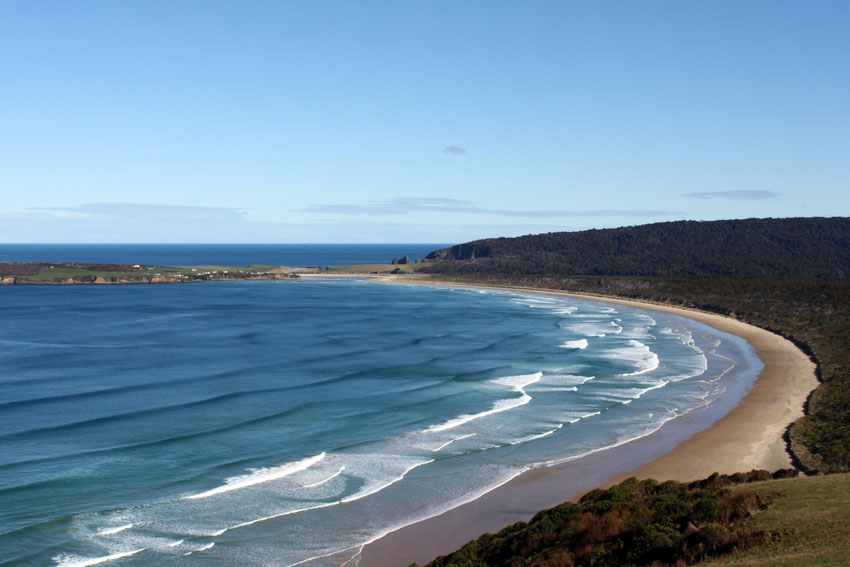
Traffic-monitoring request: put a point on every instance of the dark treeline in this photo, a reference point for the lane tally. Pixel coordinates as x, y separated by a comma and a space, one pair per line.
633, 523
803, 247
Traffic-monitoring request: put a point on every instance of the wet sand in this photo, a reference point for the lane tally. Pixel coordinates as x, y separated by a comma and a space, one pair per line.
731, 434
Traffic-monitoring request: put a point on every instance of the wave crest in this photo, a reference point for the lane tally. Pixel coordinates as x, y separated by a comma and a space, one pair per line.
260, 476
516, 383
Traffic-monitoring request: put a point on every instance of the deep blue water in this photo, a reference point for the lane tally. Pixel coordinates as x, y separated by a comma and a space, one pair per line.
268, 423
293, 255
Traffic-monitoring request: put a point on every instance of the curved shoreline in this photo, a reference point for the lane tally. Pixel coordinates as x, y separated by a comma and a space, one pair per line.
688, 448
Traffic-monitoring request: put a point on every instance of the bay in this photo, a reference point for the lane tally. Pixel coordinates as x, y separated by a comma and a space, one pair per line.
287, 422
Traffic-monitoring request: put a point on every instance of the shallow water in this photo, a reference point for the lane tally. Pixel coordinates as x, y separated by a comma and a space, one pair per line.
268, 423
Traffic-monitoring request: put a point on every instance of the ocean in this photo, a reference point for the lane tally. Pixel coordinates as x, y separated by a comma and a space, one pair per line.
293, 255
290, 422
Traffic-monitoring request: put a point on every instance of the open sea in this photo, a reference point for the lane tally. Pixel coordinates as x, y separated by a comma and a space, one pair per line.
291, 422
292, 255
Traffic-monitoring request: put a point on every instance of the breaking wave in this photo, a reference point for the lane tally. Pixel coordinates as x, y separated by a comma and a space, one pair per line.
260, 476
516, 383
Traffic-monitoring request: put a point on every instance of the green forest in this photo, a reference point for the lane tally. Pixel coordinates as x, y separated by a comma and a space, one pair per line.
802, 247
633, 523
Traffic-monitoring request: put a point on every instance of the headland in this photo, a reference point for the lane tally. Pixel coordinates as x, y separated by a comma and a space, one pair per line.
77, 273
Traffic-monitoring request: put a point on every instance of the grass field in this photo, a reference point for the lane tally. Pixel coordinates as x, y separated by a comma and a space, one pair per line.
63, 272
251, 268
810, 520
60, 273
373, 268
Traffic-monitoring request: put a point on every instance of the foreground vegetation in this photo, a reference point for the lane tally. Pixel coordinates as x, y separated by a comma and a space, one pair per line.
808, 520
632, 523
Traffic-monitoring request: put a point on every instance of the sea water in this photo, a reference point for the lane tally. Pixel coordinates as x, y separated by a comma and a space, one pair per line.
290, 422
293, 255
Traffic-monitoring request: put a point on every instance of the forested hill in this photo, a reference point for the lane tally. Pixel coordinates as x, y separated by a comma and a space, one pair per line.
804, 247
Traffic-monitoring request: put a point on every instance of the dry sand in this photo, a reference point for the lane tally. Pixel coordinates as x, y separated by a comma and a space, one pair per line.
688, 448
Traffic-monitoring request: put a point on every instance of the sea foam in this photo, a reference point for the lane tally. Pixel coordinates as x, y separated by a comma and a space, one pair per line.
369, 492
537, 436
202, 548
449, 442
326, 480
77, 561
638, 353
516, 383
260, 476
562, 383
111, 531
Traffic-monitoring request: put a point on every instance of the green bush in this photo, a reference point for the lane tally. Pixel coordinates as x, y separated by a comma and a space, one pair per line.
632, 523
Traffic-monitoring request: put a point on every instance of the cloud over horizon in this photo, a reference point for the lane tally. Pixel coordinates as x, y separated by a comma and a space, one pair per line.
140, 211
411, 205
134, 222
743, 194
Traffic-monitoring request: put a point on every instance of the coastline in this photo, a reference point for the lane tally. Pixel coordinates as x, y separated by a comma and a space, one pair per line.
77, 273
720, 438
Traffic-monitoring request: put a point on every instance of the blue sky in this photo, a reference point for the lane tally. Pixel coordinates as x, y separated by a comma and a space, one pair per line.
415, 121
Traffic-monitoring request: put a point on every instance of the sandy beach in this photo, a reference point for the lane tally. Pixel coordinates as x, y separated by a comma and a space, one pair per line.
732, 434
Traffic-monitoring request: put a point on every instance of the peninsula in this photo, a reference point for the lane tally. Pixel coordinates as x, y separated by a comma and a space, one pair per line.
74, 273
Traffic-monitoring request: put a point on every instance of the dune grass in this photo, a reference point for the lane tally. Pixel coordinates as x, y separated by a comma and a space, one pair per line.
61, 272
66, 271
809, 519
373, 268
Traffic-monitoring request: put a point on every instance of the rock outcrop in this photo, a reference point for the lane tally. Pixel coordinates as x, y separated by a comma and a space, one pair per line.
468, 251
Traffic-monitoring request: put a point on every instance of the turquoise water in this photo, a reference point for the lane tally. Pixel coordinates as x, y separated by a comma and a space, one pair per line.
284, 423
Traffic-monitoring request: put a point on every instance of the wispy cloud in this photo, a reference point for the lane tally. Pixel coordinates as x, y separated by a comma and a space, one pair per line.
744, 194
454, 150
138, 211
128, 222
364, 222
405, 206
